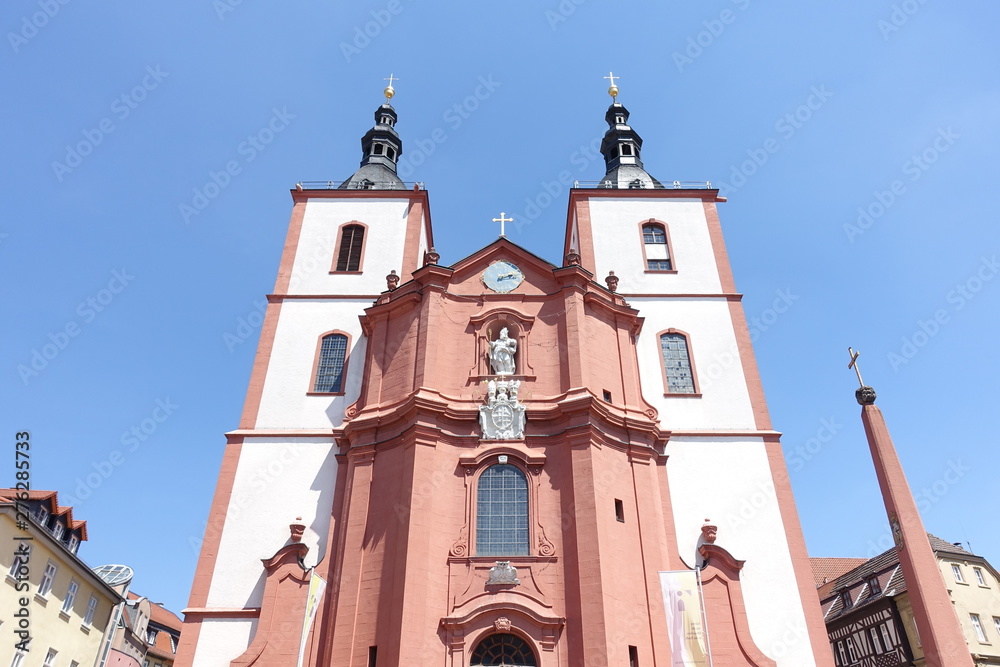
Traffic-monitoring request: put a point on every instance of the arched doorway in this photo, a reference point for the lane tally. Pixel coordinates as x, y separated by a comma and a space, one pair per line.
504, 650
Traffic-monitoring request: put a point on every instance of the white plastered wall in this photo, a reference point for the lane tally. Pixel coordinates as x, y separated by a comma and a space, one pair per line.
729, 481
317, 246
284, 401
222, 641
277, 480
615, 226
725, 402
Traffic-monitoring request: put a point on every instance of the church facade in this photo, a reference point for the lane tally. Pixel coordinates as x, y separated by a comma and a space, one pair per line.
490, 462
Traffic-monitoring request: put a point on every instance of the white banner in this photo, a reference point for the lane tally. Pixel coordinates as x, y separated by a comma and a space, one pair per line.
685, 620
316, 587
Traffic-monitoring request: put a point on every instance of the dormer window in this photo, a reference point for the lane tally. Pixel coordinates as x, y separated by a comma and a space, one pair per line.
873, 586
845, 598
74, 543
42, 516
57, 530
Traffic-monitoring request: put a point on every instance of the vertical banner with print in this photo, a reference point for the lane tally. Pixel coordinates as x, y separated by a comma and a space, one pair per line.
316, 587
685, 620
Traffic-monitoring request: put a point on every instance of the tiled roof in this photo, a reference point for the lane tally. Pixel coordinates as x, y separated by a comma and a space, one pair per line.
51, 499
827, 569
884, 568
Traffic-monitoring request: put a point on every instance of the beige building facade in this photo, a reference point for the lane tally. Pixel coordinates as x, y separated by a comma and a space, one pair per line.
48, 591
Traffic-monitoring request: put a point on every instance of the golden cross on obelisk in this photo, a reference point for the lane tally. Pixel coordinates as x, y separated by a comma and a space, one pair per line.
389, 90
613, 89
854, 365
502, 220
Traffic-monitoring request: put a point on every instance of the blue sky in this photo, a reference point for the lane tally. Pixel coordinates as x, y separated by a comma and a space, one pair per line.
856, 142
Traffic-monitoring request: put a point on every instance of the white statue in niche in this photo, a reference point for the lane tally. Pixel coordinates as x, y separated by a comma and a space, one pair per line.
502, 353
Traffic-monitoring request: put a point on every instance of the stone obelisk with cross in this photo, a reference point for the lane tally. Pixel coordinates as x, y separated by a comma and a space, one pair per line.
937, 623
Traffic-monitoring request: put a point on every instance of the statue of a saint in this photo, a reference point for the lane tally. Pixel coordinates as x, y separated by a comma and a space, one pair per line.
502, 353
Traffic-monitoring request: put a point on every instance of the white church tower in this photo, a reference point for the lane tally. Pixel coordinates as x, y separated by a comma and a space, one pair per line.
661, 247
282, 460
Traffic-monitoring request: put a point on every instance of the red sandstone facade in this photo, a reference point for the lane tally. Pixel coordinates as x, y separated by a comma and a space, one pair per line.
406, 582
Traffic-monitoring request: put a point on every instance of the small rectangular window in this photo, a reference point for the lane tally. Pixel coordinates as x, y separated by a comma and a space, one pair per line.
979, 576
91, 610
377, 149
845, 599
372, 655
873, 586
619, 510
633, 656
875, 642
70, 596
607, 396
57, 530
957, 571
996, 624
50, 658
978, 627
47, 579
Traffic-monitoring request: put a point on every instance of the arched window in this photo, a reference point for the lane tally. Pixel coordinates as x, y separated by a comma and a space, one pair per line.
503, 649
502, 512
330, 364
655, 247
352, 242
677, 363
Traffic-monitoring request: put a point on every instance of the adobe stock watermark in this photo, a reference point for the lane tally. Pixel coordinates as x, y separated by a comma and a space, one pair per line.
132, 439
914, 167
246, 326
121, 108
547, 192
957, 298
786, 127
364, 34
455, 116
797, 458
783, 301
901, 13
254, 144
33, 23
704, 39
223, 7
926, 497
260, 480
562, 12
86, 312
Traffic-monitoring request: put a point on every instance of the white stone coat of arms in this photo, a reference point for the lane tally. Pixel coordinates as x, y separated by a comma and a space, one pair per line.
502, 418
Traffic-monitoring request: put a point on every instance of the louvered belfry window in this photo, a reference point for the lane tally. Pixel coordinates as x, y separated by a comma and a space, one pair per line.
352, 241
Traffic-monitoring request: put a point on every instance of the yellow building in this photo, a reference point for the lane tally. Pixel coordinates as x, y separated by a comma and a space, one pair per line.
974, 586
865, 604
48, 591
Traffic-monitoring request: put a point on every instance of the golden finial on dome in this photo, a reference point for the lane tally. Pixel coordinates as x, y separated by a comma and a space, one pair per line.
613, 89
389, 90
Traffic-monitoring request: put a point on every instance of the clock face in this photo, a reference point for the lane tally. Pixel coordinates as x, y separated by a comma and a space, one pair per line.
502, 277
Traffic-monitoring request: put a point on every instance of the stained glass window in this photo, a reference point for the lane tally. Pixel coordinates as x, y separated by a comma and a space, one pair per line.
502, 512
677, 363
330, 367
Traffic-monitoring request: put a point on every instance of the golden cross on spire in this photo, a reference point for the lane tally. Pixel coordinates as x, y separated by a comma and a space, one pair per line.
389, 90
502, 220
854, 365
613, 89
